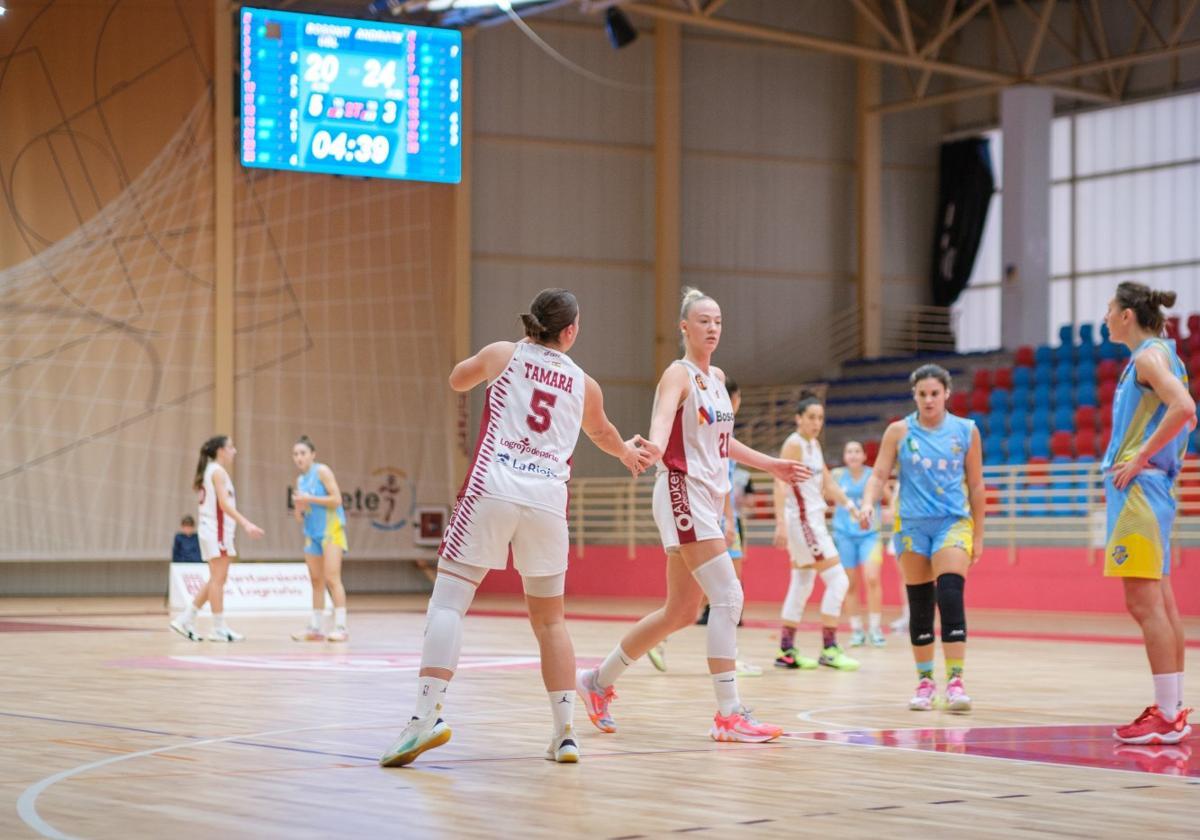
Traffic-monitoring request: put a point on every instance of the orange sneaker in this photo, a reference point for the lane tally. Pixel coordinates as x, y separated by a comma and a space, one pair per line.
1153, 727
595, 700
741, 726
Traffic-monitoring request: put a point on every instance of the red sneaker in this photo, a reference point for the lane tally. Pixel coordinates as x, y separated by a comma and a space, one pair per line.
1153, 727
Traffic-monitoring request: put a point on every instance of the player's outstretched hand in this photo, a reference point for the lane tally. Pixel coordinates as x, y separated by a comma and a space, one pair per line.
789, 471
632, 459
865, 517
649, 452
253, 530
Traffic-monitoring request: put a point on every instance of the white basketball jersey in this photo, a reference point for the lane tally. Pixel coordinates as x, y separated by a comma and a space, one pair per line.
807, 499
214, 524
532, 414
700, 435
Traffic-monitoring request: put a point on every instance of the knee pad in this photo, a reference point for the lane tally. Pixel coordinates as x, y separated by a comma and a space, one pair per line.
448, 604
922, 603
725, 599
545, 586
837, 584
950, 604
800, 587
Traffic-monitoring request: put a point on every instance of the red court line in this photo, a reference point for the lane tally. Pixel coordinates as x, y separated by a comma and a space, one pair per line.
1085, 638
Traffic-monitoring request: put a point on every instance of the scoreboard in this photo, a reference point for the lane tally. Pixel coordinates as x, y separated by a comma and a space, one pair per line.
350, 97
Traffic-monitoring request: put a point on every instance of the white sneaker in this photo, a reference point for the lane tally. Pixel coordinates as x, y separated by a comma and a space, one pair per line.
564, 748
900, 625
923, 697
876, 638
184, 628
420, 735
225, 635
746, 669
338, 634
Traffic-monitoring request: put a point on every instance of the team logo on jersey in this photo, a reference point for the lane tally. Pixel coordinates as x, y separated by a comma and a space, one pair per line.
1120, 554
955, 448
913, 446
707, 416
681, 508
528, 467
700, 383
524, 447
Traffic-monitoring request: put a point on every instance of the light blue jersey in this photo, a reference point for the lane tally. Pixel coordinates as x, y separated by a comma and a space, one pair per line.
932, 474
319, 525
1137, 413
843, 522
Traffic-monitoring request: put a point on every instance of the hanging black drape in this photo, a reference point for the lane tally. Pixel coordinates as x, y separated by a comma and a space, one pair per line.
965, 188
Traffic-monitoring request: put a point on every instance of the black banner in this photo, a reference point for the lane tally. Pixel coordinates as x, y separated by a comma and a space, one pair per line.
965, 187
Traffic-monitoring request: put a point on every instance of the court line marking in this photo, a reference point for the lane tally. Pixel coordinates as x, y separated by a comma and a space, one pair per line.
27, 803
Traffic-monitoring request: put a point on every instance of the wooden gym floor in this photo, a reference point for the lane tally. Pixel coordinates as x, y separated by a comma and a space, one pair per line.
111, 726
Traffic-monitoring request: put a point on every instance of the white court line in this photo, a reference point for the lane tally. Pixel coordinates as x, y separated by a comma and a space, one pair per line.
27, 804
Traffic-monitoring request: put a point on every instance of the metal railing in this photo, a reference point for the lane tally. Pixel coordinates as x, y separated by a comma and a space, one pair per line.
1032, 504
768, 413
907, 330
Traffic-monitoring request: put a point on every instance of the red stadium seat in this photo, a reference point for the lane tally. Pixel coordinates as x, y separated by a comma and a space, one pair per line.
871, 448
1106, 393
983, 379
1193, 323
1173, 326
1004, 379
1085, 443
960, 404
1024, 356
1109, 370
979, 401
1085, 417
1061, 443
1105, 437
1193, 345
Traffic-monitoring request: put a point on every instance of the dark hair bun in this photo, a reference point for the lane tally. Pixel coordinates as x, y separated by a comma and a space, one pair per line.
1162, 298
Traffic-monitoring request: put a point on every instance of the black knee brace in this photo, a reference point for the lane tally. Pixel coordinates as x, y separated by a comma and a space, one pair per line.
922, 600
950, 605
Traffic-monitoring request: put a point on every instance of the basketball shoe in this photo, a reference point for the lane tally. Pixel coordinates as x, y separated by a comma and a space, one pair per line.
791, 658
225, 635
922, 699
741, 726
956, 696
186, 629
420, 735
563, 748
1153, 727
596, 700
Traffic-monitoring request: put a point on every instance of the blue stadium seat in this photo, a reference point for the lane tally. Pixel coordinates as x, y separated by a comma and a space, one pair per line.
1086, 352
1039, 444
1039, 420
1062, 395
981, 421
1108, 350
1066, 334
1022, 377
1015, 447
1086, 393
1085, 369
1063, 419
1064, 353
1194, 441
997, 423
1018, 418
1064, 372
1041, 393
993, 451
1103, 331
1019, 397
1044, 355
998, 401
1087, 334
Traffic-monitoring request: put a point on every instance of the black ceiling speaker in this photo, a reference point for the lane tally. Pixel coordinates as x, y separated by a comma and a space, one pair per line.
620, 31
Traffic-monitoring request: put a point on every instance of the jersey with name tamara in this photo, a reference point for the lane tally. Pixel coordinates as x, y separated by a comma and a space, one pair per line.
701, 432
532, 414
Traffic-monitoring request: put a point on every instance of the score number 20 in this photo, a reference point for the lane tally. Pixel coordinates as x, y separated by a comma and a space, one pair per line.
323, 70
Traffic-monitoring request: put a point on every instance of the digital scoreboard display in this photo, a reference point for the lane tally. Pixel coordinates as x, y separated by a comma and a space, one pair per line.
350, 97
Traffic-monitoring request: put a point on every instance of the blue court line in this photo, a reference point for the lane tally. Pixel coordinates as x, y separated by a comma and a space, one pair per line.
117, 726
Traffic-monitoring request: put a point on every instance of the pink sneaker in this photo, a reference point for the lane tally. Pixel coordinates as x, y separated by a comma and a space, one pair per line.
956, 696
741, 726
922, 700
595, 700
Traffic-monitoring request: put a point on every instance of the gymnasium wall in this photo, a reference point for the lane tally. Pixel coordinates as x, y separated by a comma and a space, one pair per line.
564, 194
106, 292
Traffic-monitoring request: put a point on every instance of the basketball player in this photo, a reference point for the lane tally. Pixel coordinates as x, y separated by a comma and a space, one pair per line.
800, 528
219, 518
692, 423
318, 501
515, 495
1152, 415
941, 518
861, 551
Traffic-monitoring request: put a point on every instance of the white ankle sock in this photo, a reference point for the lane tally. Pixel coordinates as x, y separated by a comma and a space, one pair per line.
219, 621
189, 613
1179, 690
614, 665
855, 622
339, 616
1166, 694
430, 692
315, 621
874, 619
562, 706
725, 686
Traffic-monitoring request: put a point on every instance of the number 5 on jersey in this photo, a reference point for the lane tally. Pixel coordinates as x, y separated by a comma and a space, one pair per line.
540, 405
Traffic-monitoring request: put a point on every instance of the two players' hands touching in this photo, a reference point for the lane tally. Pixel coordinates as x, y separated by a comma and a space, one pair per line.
640, 455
